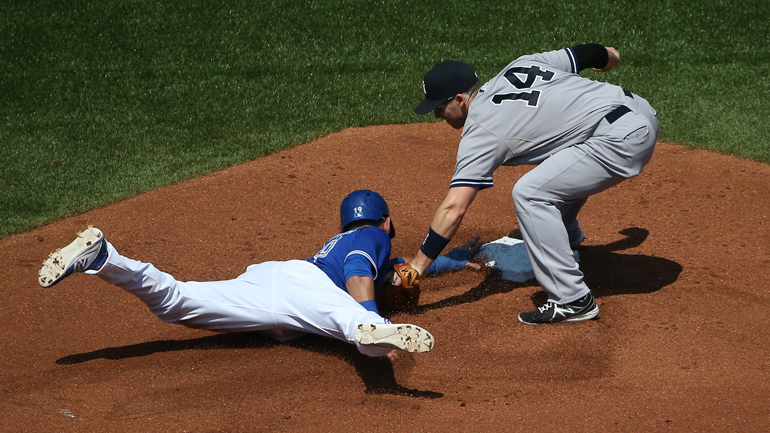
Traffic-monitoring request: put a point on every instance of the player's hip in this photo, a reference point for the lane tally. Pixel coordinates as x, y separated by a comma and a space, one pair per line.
623, 120
294, 272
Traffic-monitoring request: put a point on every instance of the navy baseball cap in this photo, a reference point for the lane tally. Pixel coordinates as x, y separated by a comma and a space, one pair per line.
444, 81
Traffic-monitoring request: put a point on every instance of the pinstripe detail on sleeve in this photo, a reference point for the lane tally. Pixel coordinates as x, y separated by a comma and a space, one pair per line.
368, 257
480, 184
572, 60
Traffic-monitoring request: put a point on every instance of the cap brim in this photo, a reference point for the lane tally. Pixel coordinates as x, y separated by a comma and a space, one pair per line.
427, 105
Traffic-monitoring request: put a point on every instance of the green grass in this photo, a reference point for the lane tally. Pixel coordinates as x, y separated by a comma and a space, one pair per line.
105, 100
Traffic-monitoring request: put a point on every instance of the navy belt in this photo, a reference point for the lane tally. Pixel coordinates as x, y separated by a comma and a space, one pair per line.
618, 112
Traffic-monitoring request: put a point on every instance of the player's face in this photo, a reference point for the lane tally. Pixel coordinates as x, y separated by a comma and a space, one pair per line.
453, 112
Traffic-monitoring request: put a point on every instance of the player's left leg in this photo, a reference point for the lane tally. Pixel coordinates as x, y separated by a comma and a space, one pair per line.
616, 151
568, 176
569, 211
306, 299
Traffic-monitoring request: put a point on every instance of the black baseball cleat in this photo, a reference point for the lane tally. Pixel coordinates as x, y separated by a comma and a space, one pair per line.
87, 252
584, 308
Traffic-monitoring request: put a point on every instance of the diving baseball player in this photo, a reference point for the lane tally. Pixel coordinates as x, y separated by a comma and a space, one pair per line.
330, 294
583, 136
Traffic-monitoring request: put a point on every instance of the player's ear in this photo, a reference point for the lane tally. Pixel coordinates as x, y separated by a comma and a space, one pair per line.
462, 100
389, 228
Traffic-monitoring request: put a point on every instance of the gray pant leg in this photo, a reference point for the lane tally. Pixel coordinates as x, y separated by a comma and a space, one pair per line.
569, 212
566, 178
548, 198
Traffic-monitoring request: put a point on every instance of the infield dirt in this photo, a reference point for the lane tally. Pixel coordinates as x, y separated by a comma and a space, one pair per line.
678, 259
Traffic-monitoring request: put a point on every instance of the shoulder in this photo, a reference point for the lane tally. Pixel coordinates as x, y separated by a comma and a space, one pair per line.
563, 59
375, 235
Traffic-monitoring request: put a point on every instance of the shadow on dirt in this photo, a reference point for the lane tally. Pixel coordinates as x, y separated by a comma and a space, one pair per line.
605, 271
608, 273
376, 373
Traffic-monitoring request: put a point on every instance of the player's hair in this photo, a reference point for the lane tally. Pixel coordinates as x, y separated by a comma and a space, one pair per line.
471, 92
361, 223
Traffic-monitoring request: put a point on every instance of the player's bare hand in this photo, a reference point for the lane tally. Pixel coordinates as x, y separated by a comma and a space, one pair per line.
396, 279
393, 354
614, 60
473, 266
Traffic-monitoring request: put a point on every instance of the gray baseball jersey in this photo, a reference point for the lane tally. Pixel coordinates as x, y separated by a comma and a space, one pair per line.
536, 106
584, 136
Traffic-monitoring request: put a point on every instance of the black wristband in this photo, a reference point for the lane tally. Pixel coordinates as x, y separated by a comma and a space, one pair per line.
433, 244
591, 56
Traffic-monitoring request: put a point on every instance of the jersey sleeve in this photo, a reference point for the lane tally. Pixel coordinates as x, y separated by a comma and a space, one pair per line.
477, 157
358, 265
371, 252
565, 60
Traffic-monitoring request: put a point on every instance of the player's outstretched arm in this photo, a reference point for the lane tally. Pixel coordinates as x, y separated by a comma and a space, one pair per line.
456, 260
446, 221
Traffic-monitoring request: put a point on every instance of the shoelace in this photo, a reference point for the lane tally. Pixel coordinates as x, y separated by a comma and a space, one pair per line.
545, 306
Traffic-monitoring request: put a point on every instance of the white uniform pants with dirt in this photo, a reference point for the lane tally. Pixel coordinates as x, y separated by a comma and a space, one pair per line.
548, 197
283, 299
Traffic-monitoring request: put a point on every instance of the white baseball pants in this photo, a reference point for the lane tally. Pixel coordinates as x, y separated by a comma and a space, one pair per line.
284, 300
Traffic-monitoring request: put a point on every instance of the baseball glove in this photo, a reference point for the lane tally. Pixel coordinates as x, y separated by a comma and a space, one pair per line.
394, 299
409, 276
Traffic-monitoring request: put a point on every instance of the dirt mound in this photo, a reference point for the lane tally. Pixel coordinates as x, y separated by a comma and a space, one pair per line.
678, 258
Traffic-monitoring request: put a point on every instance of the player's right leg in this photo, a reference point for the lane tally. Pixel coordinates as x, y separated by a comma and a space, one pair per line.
87, 252
542, 197
219, 306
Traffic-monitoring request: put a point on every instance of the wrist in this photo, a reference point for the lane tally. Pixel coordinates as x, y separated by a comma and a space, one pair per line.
421, 263
370, 305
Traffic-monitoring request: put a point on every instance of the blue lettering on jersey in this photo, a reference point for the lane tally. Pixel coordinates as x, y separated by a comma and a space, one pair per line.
328, 246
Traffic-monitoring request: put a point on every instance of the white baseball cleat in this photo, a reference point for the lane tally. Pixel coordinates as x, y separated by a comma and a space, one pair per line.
410, 338
87, 252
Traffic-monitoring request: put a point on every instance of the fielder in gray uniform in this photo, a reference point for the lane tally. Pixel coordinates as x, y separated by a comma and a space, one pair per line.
584, 136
